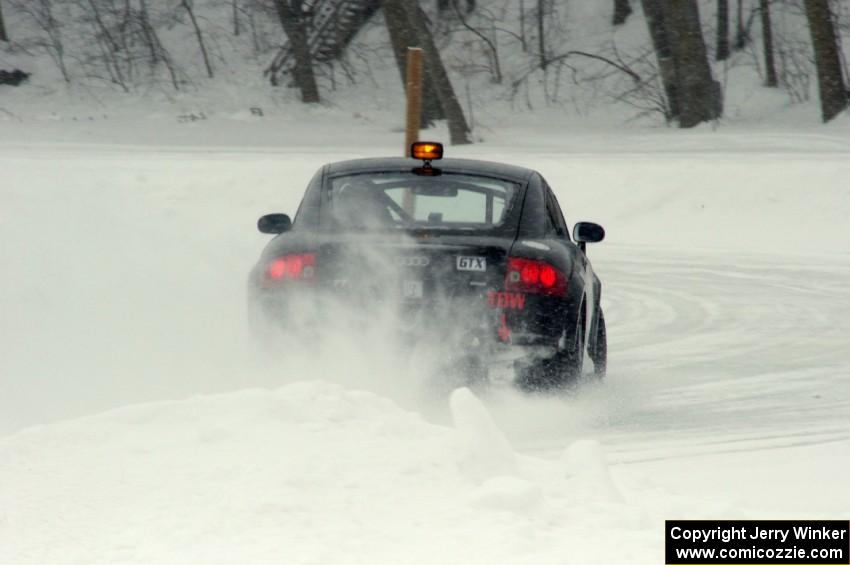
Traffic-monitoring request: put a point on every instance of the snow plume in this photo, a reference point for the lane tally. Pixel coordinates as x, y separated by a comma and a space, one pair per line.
358, 328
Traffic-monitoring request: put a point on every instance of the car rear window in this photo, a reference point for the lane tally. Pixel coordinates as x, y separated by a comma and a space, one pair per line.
404, 200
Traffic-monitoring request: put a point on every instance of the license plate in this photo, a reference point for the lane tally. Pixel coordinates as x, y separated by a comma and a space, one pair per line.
411, 289
465, 263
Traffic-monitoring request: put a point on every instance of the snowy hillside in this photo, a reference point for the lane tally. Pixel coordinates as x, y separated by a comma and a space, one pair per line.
125, 247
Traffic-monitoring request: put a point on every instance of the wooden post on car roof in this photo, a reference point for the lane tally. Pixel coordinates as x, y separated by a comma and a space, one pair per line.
414, 97
414, 112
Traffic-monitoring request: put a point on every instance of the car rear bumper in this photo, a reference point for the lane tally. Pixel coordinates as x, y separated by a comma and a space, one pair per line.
465, 326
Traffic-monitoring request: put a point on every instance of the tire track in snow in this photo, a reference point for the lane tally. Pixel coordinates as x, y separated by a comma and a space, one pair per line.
708, 354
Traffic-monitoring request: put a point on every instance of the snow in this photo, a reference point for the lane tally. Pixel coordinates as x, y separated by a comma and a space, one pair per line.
308, 473
483, 451
585, 459
139, 424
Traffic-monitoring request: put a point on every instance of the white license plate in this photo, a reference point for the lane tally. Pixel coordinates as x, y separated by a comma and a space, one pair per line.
465, 263
411, 289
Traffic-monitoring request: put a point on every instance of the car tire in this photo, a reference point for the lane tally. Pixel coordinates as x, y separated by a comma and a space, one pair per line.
560, 371
599, 354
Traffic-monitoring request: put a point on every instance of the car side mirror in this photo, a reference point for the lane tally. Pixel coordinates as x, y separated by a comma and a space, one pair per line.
274, 223
588, 232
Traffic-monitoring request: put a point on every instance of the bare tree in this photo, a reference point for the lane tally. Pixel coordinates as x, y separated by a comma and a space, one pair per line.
292, 20
664, 53
444, 5
3, 35
147, 32
693, 94
156, 50
722, 52
699, 93
435, 71
522, 39
41, 14
401, 37
741, 35
622, 10
767, 40
541, 38
833, 93
109, 45
187, 5
491, 45
458, 128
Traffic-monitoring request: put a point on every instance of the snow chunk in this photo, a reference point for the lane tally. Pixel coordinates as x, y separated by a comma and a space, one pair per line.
506, 493
483, 450
585, 461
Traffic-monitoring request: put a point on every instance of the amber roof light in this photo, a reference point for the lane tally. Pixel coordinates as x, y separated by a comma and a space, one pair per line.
426, 150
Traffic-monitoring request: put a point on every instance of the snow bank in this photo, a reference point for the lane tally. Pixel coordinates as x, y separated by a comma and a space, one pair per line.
585, 460
307, 473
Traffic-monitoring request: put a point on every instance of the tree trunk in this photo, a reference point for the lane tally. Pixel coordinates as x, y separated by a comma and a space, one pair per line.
110, 50
541, 38
435, 72
191, 12
522, 26
767, 36
622, 10
664, 53
401, 38
722, 30
740, 29
3, 35
833, 95
147, 31
699, 94
293, 25
693, 94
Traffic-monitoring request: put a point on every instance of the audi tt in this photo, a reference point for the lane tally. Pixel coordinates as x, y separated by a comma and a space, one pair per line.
476, 253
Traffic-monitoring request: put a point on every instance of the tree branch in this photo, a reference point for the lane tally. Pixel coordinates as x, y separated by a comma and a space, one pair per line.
616, 65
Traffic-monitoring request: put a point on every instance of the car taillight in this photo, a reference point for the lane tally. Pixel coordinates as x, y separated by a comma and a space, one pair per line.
534, 277
296, 266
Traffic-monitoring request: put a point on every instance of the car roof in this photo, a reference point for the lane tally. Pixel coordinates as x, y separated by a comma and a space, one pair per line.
488, 168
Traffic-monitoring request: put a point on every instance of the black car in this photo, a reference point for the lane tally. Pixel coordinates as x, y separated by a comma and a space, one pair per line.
476, 253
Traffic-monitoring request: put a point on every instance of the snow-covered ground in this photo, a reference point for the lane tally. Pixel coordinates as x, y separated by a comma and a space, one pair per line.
124, 248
